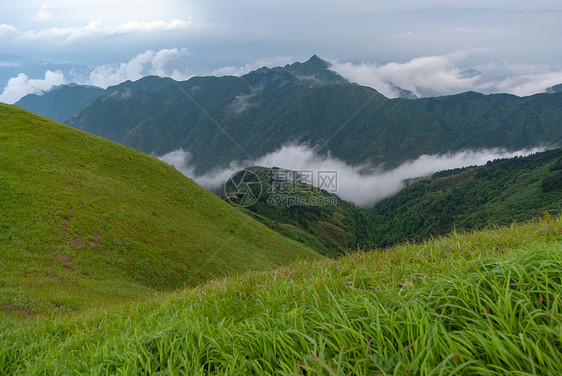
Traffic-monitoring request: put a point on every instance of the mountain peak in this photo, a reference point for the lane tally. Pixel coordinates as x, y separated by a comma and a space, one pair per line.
309, 67
317, 62
314, 72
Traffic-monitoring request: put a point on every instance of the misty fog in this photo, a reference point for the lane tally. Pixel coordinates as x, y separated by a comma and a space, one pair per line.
364, 185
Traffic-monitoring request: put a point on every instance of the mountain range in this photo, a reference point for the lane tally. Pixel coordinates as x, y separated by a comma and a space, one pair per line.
114, 262
219, 120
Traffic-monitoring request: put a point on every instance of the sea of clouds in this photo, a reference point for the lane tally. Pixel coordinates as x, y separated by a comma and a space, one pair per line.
364, 185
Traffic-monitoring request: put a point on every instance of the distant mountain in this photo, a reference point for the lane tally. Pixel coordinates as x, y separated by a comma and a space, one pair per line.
500, 193
314, 72
85, 222
554, 89
222, 119
62, 102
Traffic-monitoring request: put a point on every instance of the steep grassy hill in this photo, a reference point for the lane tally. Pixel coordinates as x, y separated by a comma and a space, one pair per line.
84, 221
486, 303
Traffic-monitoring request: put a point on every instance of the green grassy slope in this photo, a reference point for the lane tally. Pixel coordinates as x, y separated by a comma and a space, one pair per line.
485, 303
84, 221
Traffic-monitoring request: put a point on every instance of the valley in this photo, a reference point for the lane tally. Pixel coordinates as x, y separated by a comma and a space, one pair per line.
111, 251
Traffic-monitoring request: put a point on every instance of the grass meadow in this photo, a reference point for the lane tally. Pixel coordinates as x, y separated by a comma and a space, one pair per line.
486, 302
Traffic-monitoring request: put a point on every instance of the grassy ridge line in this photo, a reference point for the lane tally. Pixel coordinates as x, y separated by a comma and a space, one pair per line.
85, 222
479, 303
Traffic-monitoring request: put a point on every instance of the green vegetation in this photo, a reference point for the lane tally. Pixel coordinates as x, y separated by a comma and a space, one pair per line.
101, 247
484, 303
307, 102
502, 192
85, 222
330, 225
61, 103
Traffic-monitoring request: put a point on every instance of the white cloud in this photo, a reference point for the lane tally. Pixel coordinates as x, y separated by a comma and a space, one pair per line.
7, 31
529, 84
97, 28
181, 75
69, 34
136, 25
22, 85
420, 75
44, 14
107, 75
440, 75
141, 65
363, 185
162, 57
241, 102
8, 64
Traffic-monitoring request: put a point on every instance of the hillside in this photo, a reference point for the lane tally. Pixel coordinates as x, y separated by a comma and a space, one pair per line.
554, 89
267, 109
86, 222
481, 303
297, 210
61, 103
501, 192
222, 119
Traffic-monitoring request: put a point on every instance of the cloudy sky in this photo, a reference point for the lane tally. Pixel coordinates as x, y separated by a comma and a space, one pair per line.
429, 47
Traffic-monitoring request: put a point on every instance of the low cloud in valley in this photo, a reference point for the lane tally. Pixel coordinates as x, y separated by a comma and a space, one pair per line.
364, 185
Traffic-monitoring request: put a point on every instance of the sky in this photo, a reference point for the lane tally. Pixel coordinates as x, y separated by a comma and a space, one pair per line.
431, 47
